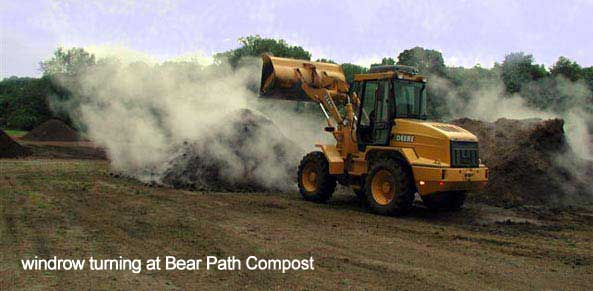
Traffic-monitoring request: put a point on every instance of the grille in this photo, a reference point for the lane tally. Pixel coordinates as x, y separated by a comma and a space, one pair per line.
464, 154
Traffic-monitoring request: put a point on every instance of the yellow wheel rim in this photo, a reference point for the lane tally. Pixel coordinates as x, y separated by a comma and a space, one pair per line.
383, 187
309, 177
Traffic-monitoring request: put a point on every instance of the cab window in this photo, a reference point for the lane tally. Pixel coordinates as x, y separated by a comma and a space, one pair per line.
368, 104
410, 99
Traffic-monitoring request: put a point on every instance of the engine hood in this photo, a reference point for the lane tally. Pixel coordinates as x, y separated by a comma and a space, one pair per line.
452, 132
436, 129
429, 140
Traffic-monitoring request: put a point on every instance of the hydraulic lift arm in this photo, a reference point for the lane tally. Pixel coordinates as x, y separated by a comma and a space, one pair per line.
324, 83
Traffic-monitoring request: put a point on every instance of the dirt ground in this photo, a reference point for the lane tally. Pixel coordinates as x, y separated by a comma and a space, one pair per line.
57, 204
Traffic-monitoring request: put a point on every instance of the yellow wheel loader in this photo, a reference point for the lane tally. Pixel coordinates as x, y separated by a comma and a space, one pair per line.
385, 150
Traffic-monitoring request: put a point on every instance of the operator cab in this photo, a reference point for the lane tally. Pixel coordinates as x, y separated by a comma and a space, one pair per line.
386, 93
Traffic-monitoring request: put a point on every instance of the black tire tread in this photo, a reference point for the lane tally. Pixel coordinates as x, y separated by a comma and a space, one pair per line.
325, 181
404, 200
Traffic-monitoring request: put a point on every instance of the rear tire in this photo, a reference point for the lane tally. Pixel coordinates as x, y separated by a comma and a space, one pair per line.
315, 182
451, 201
389, 188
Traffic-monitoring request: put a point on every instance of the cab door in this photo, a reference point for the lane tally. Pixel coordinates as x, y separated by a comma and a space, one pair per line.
375, 116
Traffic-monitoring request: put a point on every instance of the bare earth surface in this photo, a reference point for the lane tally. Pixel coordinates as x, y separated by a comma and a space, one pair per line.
55, 204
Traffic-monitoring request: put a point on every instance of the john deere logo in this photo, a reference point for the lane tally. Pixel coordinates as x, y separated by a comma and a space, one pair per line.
403, 138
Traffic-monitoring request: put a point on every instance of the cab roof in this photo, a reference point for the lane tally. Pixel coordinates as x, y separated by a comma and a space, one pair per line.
391, 72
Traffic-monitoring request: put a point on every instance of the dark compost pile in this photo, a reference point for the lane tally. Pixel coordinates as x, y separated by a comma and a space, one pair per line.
530, 162
230, 158
52, 130
10, 148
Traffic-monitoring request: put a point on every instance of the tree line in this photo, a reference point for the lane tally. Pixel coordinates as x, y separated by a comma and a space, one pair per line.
24, 101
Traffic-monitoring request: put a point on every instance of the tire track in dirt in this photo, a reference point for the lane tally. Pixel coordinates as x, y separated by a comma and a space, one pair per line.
90, 213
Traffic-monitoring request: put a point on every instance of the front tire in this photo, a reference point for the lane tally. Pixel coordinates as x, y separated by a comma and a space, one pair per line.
389, 188
315, 182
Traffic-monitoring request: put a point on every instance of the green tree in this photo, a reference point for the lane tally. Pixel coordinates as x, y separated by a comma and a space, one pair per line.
387, 61
71, 62
255, 46
518, 69
23, 102
467, 81
384, 61
567, 68
324, 60
426, 60
63, 71
588, 76
543, 94
351, 69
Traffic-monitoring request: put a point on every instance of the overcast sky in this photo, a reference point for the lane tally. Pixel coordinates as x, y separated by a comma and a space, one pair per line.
466, 32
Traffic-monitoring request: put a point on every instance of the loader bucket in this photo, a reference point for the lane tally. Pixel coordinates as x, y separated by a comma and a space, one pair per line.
280, 77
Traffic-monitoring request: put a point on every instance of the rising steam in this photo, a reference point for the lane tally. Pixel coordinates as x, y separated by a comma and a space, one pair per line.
489, 102
140, 113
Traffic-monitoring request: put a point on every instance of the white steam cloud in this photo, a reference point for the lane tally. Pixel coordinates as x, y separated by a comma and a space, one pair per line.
489, 102
141, 112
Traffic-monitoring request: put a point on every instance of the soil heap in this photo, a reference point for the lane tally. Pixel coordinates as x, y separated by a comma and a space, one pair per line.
246, 154
10, 148
52, 130
530, 162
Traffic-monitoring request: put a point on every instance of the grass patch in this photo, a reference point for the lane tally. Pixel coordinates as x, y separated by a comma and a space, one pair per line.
15, 133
